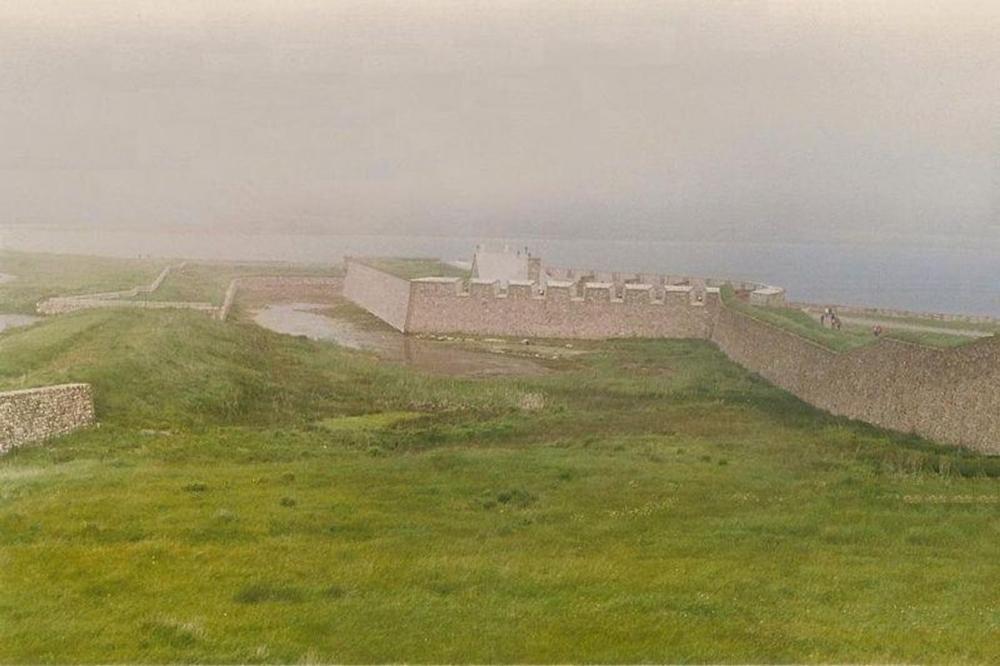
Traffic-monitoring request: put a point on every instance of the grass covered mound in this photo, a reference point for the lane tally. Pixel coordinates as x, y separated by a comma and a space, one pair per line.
251, 497
851, 335
41, 276
207, 282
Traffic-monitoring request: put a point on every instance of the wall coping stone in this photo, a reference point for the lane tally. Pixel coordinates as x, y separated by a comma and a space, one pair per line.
43, 389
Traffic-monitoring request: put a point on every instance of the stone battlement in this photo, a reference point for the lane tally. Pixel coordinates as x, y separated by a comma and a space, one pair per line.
533, 308
566, 291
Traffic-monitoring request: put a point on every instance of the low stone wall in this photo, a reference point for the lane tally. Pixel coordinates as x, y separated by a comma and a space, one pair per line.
121, 299
59, 306
948, 395
440, 305
385, 296
37, 414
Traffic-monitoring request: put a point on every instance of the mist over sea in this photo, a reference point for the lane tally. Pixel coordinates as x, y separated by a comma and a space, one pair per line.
914, 277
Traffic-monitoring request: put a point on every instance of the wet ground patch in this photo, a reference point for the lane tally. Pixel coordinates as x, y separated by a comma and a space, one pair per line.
435, 356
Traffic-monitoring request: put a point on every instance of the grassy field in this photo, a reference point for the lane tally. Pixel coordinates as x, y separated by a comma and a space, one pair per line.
257, 498
936, 323
207, 283
41, 276
851, 336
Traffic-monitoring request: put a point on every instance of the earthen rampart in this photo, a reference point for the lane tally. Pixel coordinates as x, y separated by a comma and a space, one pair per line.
37, 414
862, 312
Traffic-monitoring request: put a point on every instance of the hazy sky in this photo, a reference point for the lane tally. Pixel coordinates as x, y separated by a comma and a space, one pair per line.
705, 119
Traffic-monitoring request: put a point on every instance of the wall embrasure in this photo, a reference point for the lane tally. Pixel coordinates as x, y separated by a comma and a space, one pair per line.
440, 305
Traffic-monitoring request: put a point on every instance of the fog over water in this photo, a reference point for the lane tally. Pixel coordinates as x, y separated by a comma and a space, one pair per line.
848, 150
944, 279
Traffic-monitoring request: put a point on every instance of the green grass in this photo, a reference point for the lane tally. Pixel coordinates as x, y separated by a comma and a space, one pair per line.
936, 323
345, 310
41, 276
207, 283
418, 268
850, 336
694, 514
802, 323
929, 338
258, 498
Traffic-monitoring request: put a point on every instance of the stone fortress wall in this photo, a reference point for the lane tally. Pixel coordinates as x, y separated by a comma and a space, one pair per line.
561, 309
948, 395
33, 415
385, 296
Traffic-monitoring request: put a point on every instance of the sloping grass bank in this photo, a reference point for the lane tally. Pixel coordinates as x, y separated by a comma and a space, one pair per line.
850, 336
41, 276
258, 498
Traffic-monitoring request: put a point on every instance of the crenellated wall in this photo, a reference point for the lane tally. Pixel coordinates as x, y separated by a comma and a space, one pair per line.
948, 395
441, 305
33, 415
385, 296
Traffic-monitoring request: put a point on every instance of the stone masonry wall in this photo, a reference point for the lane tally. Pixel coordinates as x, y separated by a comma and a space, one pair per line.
385, 296
948, 395
36, 414
439, 305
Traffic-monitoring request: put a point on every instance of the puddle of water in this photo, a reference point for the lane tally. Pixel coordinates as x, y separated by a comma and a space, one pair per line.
15, 320
426, 355
6, 277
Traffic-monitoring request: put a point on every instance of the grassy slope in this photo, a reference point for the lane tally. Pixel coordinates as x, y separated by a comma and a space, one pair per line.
208, 282
936, 323
847, 338
41, 276
802, 324
664, 506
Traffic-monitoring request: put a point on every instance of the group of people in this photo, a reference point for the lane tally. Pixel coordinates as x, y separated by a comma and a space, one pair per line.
829, 317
